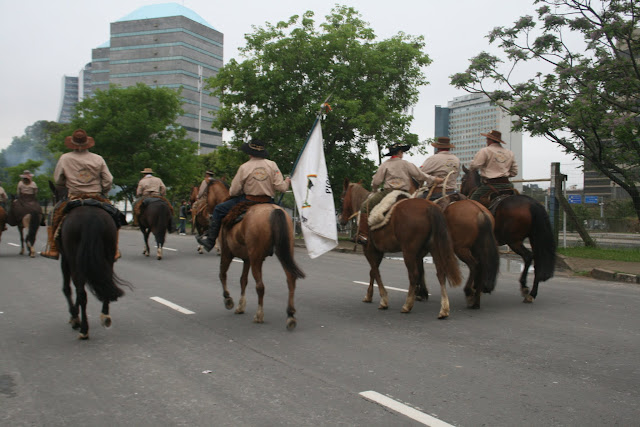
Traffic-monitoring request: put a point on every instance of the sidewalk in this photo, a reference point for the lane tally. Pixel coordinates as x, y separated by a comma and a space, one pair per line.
616, 271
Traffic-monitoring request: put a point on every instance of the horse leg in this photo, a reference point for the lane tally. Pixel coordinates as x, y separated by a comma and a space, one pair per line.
444, 297
471, 291
20, 228
375, 258
256, 270
81, 301
105, 318
527, 257
244, 279
145, 234
291, 310
225, 262
422, 293
414, 272
66, 290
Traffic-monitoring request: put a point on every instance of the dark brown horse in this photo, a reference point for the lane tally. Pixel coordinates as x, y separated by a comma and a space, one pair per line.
26, 212
87, 244
155, 219
265, 229
416, 227
217, 192
517, 218
3, 220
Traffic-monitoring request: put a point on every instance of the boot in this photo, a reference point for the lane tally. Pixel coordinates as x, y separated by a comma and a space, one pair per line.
118, 255
212, 235
52, 252
363, 229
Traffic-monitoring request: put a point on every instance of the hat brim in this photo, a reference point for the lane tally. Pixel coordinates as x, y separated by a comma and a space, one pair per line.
493, 138
438, 145
394, 151
250, 151
68, 142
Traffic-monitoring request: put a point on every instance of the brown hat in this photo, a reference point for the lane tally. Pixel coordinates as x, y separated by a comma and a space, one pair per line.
79, 140
26, 174
442, 142
396, 148
495, 136
210, 173
146, 171
254, 148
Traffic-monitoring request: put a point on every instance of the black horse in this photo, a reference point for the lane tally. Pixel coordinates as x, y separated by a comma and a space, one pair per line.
518, 217
26, 213
155, 218
87, 243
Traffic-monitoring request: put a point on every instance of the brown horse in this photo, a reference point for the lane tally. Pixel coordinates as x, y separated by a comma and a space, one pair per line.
3, 220
217, 192
518, 217
264, 229
416, 227
193, 197
87, 244
26, 213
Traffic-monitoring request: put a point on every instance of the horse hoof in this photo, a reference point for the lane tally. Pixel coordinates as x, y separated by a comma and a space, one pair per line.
83, 337
228, 303
442, 316
159, 257
367, 300
291, 324
474, 306
258, 319
405, 310
105, 320
75, 322
528, 299
383, 307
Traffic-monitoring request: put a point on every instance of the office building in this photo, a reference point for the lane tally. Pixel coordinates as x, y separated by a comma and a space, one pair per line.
466, 117
68, 99
163, 45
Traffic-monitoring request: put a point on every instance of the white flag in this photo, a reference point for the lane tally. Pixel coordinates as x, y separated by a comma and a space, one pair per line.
314, 198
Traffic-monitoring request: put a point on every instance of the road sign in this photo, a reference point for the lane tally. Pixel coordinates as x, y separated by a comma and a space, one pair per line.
574, 198
591, 199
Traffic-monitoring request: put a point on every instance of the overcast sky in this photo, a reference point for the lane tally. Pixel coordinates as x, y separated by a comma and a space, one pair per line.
43, 40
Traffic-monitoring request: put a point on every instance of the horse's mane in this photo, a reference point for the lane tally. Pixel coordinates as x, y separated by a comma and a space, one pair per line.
358, 193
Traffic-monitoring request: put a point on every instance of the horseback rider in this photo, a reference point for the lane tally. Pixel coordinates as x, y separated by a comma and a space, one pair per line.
393, 174
202, 191
256, 180
85, 175
150, 186
441, 164
496, 165
26, 186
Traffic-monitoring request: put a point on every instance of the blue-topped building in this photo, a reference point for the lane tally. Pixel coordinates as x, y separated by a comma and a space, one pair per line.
164, 45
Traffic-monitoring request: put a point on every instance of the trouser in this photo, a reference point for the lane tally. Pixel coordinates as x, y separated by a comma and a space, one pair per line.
182, 227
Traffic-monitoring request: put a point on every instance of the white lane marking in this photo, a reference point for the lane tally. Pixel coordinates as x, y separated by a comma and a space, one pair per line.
237, 260
403, 409
386, 287
427, 259
169, 304
169, 249
13, 244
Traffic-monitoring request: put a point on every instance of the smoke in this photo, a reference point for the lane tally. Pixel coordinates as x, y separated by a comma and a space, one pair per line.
14, 158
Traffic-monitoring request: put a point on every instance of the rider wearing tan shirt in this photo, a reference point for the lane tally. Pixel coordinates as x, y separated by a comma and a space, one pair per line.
496, 165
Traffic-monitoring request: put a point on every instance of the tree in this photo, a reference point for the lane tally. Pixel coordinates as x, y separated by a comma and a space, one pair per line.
588, 102
291, 67
135, 128
42, 181
223, 162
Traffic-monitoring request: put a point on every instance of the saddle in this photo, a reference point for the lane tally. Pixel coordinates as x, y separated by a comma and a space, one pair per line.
236, 214
380, 212
118, 217
492, 198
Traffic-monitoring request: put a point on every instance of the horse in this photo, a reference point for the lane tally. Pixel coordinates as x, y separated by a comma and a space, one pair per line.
3, 220
518, 217
415, 228
217, 192
87, 244
265, 228
156, 219
26, 213
193, 197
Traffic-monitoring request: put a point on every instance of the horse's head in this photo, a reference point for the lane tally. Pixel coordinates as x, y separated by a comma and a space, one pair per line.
194, 194
469, 181
353, 194
60, 192
345, 197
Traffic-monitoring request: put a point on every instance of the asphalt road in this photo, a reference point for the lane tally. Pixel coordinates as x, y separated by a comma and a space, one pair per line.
570, 358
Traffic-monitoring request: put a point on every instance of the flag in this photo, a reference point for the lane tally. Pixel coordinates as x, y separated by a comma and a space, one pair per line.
314, 198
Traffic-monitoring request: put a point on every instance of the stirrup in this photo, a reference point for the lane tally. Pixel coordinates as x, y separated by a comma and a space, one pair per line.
50, 255
205, 242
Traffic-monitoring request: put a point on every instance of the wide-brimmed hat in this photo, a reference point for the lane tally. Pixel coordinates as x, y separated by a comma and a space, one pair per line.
210, 173
79, 140
396, 148
495, 136
254, 148
147, 170
26, 174
442, 142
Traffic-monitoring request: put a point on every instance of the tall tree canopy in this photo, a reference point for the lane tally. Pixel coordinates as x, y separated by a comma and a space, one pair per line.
589, 100
289, 68
135, 128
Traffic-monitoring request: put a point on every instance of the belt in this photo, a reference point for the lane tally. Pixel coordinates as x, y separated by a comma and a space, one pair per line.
261, 199
500, 180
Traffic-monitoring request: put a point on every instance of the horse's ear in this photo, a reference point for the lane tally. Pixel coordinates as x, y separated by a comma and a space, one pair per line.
464, 168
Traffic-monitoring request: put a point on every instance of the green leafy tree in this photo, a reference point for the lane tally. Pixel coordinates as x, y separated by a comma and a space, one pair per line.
588, 100
223, 162
289, 69
134, 128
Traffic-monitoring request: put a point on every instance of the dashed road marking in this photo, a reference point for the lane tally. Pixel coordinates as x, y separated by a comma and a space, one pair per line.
403, 409
169, 304
386, 287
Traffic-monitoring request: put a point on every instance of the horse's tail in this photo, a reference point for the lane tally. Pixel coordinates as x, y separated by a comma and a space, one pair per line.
543, 243
34, 224
94, 260
442, 248
485, 251
282, 242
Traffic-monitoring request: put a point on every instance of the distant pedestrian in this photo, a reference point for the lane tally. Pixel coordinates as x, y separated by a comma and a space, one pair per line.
184, 211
